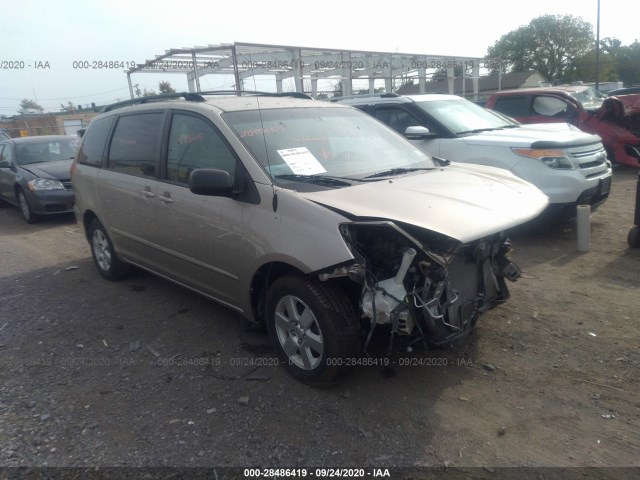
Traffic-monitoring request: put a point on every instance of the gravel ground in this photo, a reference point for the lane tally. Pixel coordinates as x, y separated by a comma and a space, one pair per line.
142, 373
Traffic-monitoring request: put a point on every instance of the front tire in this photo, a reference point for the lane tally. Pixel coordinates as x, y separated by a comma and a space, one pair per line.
25, 208
104, 256
314, 329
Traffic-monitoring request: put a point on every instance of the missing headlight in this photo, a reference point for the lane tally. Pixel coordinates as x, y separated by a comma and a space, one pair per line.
426, 287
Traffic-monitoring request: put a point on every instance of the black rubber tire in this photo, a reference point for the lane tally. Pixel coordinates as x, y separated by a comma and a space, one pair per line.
634, 237
334, 321
104, 255
25, 207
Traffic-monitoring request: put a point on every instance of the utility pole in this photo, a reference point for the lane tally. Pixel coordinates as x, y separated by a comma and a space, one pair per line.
598, 48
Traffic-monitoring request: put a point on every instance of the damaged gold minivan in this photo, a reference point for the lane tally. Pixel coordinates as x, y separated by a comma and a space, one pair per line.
308, 217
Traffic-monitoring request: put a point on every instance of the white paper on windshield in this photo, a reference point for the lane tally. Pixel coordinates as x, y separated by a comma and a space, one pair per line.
301, 161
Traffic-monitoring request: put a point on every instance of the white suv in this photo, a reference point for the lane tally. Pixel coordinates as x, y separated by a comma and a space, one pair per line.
569, 166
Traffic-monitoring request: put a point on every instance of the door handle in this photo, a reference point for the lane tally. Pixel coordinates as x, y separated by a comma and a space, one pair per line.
165, 197
148, 193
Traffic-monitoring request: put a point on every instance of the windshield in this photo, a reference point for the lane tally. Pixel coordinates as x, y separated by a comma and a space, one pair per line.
341, 143
38, 152
463, 116
590, 98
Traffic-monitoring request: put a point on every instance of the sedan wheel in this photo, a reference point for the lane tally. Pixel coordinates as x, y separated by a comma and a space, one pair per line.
314, 329
25, 208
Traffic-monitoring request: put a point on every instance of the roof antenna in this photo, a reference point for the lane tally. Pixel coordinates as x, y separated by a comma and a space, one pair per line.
264, 138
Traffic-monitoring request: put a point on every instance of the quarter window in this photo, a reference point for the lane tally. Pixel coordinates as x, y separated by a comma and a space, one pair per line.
134, 145
194, 143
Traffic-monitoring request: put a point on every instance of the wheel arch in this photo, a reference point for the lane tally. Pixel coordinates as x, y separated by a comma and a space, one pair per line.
87, 217
268, 273
262, 279
16, 188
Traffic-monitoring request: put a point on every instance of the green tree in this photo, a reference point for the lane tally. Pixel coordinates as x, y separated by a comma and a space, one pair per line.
584, 68
548, 44
165, 87
143, 93
458, 71
617, 62
26, 105
628, 63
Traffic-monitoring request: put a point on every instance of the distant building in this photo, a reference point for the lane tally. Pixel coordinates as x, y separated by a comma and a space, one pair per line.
59, 123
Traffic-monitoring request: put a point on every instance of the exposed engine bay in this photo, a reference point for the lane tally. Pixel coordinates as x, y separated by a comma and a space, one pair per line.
429, 288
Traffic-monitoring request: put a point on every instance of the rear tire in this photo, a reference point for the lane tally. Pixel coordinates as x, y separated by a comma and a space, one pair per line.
314, 329
104, 256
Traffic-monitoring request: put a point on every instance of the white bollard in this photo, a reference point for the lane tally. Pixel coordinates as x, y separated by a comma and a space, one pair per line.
583, 221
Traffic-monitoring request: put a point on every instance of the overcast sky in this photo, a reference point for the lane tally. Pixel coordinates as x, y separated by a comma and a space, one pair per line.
60, 32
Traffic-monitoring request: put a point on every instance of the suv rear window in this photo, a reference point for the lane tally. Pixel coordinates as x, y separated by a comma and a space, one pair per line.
135, 143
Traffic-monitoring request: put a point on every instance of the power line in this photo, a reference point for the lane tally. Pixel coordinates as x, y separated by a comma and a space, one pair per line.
71, 96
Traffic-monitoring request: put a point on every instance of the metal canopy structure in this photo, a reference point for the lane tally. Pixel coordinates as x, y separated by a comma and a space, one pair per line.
307, 66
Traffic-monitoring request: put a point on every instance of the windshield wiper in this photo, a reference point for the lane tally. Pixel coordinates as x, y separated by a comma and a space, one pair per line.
396, 171
317, 179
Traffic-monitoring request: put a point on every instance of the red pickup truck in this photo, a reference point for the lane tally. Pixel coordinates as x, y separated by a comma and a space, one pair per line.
616, 119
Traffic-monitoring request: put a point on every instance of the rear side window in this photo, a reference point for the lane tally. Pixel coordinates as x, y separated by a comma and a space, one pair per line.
397, 118
514, 106
135, 143
92, 148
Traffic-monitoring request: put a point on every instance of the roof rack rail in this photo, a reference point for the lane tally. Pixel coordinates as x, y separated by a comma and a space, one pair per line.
257, 93
365, 95
198, 97
191, 96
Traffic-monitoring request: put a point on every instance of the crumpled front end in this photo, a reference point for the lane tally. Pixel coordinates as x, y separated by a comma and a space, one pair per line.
428, 288
619, 128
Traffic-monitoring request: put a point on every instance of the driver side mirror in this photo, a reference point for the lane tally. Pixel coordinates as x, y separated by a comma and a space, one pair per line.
418, 132
5, 164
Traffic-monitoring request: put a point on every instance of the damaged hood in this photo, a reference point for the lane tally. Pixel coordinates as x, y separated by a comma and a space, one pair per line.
465, 202
58, 170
